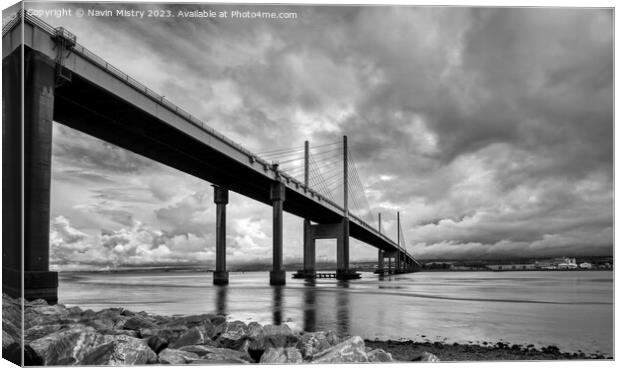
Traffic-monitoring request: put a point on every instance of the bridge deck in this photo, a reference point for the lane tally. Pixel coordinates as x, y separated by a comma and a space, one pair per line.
106, 103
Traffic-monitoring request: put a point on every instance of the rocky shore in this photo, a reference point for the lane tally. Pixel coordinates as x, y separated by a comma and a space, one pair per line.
57, 335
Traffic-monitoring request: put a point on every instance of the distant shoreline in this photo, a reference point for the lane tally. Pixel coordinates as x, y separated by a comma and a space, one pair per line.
208, 270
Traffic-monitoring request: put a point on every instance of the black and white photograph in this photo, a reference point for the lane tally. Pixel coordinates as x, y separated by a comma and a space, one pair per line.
196, 183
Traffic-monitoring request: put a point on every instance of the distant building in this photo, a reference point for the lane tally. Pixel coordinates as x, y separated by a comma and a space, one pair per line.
568, 264
512, 267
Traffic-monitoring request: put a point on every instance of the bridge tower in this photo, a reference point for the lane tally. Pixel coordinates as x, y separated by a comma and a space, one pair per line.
338, 231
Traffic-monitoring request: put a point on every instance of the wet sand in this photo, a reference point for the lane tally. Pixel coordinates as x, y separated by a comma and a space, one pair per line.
411, 351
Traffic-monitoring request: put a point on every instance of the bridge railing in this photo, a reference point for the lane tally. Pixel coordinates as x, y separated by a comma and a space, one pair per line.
381, 235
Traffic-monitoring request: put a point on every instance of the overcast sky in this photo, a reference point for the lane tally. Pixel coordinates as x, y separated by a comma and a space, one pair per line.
491, 130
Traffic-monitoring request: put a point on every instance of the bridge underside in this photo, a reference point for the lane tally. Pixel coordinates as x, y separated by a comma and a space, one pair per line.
84, 105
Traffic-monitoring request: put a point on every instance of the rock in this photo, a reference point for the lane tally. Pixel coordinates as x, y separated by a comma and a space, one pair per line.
65, 347
156, 343
426, 357
10, 332
35, 302
218, 360
270, 336
128, 313
36, 332
31, 358
112, 316
281, 356
13, 352
207, 328
279, 336
313, 342
170, 333
138, 322
174, 356
351, 350
130, 333
192, 321
218, 320
213, 353
119, 350
379, 356
192, 337
234, 335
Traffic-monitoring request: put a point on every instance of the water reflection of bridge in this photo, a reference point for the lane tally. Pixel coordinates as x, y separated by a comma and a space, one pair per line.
313, 306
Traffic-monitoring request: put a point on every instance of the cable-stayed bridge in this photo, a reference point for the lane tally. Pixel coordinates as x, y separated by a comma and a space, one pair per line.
66, 83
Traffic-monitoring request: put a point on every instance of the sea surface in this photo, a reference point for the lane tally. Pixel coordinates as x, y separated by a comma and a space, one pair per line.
572, 310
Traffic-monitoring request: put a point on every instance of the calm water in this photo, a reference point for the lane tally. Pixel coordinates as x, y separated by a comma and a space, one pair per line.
572, 310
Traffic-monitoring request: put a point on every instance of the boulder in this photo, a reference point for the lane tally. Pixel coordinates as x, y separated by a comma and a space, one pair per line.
192, 337
218, 360
119, 350
312, 343
426, 357
270, 336
10, 332
13, 353
130, 333
36, 332
169, 333
350, 350
281, 356
11, 310
192, 321
218, 320
156, 343
66, 347
138, 322
234, 335
213, 353
379, 356
113, 315
174, 356
279, 336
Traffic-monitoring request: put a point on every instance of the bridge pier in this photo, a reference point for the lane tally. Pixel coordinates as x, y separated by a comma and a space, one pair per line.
277, 276
309, 270
339, 231
380, 261
26, 224
220, 197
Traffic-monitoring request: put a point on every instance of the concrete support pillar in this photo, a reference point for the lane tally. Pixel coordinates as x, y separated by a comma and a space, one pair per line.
390, 264
220, 197
277, 276
309, 251
342, 252
33, 137
380, 261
